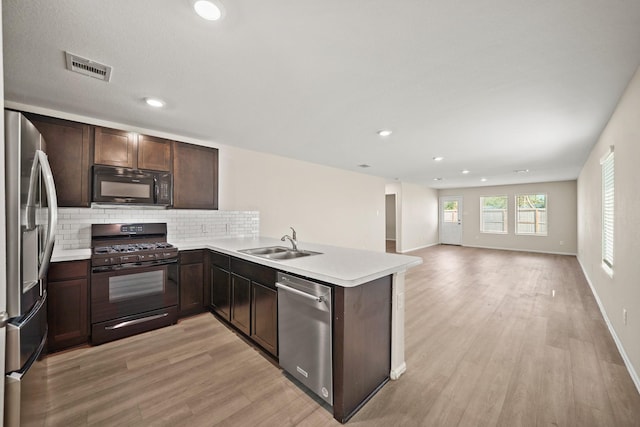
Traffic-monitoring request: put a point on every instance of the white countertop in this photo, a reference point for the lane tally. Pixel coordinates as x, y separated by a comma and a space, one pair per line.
60, 255
340, 266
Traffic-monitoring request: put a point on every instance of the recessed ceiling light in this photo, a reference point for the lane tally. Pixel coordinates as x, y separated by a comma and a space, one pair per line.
438, 158
521, 171
154, 102
465, 171
364, 165
483, 179
437, 179
207, 10
384, 132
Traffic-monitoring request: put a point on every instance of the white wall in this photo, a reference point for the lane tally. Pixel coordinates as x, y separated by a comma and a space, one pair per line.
325, 205
561, 217
416, 216
623, 289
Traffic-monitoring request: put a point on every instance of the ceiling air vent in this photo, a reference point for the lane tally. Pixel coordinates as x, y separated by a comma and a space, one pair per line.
88, 67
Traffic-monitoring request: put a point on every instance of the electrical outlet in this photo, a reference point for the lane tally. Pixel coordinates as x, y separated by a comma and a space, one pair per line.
624, 316
204, 228
226, 226
561, 242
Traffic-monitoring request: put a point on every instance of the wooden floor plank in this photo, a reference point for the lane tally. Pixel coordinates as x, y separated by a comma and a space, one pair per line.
492, 338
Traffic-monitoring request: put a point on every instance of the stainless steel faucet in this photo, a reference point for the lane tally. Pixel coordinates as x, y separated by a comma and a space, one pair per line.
292, 239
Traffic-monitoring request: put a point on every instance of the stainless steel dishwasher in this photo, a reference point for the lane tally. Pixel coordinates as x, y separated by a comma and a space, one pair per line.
304, 331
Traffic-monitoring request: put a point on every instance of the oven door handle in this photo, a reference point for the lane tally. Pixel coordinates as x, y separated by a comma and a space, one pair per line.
133, 265
135, 321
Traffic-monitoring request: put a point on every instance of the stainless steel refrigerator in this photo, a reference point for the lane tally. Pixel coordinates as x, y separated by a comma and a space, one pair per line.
31, 218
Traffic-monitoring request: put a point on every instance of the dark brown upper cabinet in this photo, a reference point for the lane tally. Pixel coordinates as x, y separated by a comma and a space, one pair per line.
154, 153
195, 176
68, 146
115, 147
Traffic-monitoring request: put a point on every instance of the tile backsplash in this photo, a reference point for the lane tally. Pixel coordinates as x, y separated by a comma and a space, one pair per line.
74, 224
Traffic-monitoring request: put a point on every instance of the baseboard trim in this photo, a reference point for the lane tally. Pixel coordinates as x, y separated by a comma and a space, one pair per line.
520, 250
419, 247
625, 358
398, 371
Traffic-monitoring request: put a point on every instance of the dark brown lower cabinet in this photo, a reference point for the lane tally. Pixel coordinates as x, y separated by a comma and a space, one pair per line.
220, 285
221, 292
264, 317
191, 284
68, 304
241, 303
361, 344
244, 294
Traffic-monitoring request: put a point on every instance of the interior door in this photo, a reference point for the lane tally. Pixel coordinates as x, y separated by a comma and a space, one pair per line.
451, 220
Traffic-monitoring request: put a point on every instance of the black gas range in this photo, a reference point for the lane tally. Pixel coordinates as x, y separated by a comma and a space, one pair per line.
134, 283
118, 246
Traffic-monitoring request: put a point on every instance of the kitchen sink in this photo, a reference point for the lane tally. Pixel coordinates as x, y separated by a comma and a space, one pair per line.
265, 251
278, 253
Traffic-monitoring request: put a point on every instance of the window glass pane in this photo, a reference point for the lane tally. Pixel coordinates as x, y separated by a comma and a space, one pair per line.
531, 214
493, 214
451, 211
607, 211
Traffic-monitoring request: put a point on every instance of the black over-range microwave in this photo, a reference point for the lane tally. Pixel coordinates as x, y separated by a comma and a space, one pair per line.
117, 185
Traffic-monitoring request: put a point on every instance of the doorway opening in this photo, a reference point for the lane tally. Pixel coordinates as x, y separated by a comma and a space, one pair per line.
390, 223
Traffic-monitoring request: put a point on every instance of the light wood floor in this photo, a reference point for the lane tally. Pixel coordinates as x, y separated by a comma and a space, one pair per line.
390, 246
493, 338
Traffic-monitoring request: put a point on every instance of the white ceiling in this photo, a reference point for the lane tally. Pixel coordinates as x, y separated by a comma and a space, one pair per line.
493, 86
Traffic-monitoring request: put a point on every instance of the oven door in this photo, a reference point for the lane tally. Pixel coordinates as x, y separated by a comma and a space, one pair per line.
121, 185
132, 290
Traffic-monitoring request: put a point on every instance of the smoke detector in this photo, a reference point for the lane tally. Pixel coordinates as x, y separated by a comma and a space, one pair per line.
88, 67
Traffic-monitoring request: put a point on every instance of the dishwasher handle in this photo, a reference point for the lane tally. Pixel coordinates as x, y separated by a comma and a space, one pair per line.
321, 298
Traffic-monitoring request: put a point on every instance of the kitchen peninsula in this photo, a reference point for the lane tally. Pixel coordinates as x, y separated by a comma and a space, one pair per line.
368, 293
365, 282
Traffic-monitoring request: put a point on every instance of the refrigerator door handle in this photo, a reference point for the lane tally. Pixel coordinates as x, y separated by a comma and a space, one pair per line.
30, 208
4, 319
52, 202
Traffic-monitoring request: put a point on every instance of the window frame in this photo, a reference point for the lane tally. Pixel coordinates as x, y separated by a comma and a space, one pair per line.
505, 217
517, 211
607, 166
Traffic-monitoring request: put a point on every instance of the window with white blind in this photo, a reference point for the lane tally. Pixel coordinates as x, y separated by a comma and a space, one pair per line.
493, 214
607, 211
531, 214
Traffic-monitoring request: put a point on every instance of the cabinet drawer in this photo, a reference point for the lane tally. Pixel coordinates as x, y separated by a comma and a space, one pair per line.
220, 260
259, 273
67, 270
191, 257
